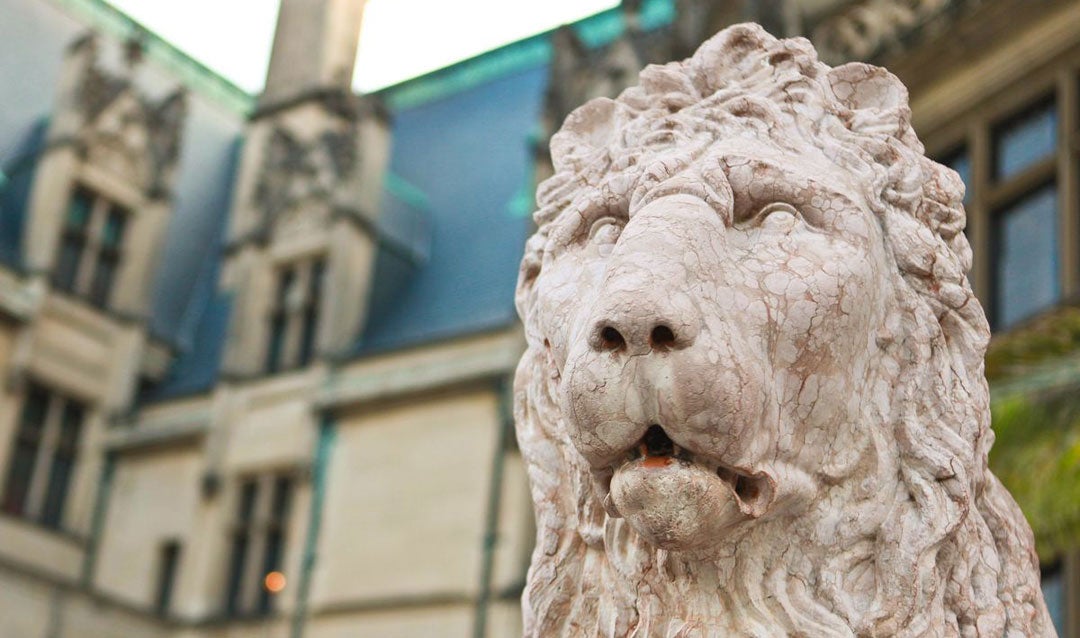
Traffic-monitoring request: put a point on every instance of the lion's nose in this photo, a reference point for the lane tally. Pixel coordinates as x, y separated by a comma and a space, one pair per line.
638, 332
649, 300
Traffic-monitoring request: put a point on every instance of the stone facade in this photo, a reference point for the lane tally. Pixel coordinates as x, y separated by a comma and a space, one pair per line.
250, 306
155, 478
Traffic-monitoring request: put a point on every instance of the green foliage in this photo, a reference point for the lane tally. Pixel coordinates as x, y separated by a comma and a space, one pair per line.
1052, 335
1037, 457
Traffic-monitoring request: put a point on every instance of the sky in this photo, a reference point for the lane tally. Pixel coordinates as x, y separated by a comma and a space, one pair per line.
400, 39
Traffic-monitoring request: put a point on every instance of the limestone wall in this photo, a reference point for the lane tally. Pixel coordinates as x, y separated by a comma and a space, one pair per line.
154, 498
405, 518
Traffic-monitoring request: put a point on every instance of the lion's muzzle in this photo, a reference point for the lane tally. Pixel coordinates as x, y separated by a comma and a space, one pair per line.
655, 406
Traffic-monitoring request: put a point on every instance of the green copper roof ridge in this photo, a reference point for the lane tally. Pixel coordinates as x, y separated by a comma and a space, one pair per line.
406, 191
193, 74
520, 55
517, 56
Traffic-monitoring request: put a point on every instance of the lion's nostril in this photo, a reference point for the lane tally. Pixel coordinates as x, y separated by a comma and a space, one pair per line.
662, 337
611, 339
745, 488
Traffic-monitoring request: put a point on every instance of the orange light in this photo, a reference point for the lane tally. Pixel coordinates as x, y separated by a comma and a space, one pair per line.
274, 582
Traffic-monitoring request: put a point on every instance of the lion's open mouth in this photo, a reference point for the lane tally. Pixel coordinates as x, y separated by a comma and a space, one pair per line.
681, 499
656, 450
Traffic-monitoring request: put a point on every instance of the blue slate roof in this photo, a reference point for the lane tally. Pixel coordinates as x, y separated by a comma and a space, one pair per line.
195, 234
15, 182
469, 153
202, 320
198, 362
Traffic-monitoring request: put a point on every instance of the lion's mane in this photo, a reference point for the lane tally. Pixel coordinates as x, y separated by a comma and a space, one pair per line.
954, 555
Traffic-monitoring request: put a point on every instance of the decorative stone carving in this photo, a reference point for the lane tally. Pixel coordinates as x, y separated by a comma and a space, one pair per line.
753, 400
97, 90
862, 29
124, 129
579, 73
294, 171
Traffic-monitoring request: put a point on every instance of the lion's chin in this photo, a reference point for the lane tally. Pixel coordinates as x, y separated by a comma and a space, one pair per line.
678, 505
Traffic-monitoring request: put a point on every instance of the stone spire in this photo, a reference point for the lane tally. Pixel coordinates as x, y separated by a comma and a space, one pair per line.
314, 48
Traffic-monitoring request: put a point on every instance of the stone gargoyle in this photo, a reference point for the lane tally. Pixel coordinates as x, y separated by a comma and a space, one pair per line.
753, 400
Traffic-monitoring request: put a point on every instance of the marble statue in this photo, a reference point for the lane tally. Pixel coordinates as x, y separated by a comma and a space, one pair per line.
753, 400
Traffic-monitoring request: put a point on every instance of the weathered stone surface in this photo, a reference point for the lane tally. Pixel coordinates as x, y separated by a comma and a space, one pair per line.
753, 400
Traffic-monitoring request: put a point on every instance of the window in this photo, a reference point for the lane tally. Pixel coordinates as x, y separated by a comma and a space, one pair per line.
294, 317
1026, 256
43, 456
1025, 139
1053, 588
279, 320
1022, 226
959, 161
108, 257
168, 561
89, 253
1024, 230
257, 543
63, 462
309, 317
73, 239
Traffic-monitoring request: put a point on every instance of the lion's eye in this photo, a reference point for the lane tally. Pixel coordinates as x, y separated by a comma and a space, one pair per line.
777, 216
604, 233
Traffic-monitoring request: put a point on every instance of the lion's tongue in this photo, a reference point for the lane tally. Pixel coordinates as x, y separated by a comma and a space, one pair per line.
656, 461
657, 447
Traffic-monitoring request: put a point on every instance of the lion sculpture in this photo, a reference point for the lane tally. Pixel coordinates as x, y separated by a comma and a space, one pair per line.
753, 400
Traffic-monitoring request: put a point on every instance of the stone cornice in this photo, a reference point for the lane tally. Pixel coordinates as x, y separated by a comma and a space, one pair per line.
431, 367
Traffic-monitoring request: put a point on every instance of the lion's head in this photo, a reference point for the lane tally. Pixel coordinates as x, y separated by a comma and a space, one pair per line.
753, 400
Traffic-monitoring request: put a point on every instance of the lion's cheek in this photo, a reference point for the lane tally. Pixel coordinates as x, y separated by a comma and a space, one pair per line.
679, 507
559, 302
824, 331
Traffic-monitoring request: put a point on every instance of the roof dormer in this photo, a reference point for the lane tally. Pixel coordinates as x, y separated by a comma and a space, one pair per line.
102, 192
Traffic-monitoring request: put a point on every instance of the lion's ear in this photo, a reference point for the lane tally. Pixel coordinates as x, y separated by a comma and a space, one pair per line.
586, 130
861, 86
878, 99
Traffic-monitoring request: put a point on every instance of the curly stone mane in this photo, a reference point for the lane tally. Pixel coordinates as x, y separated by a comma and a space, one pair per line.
950, 553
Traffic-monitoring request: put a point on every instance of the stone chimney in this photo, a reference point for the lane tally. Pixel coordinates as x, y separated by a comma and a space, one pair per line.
314, 48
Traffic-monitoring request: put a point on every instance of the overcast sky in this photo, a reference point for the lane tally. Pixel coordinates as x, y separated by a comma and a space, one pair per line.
400, 39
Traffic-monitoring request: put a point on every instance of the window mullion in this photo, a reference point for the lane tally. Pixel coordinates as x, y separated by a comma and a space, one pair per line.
1007, 191
294, 318
50, 433
240, 540
978, 217
253, 576
84, 272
